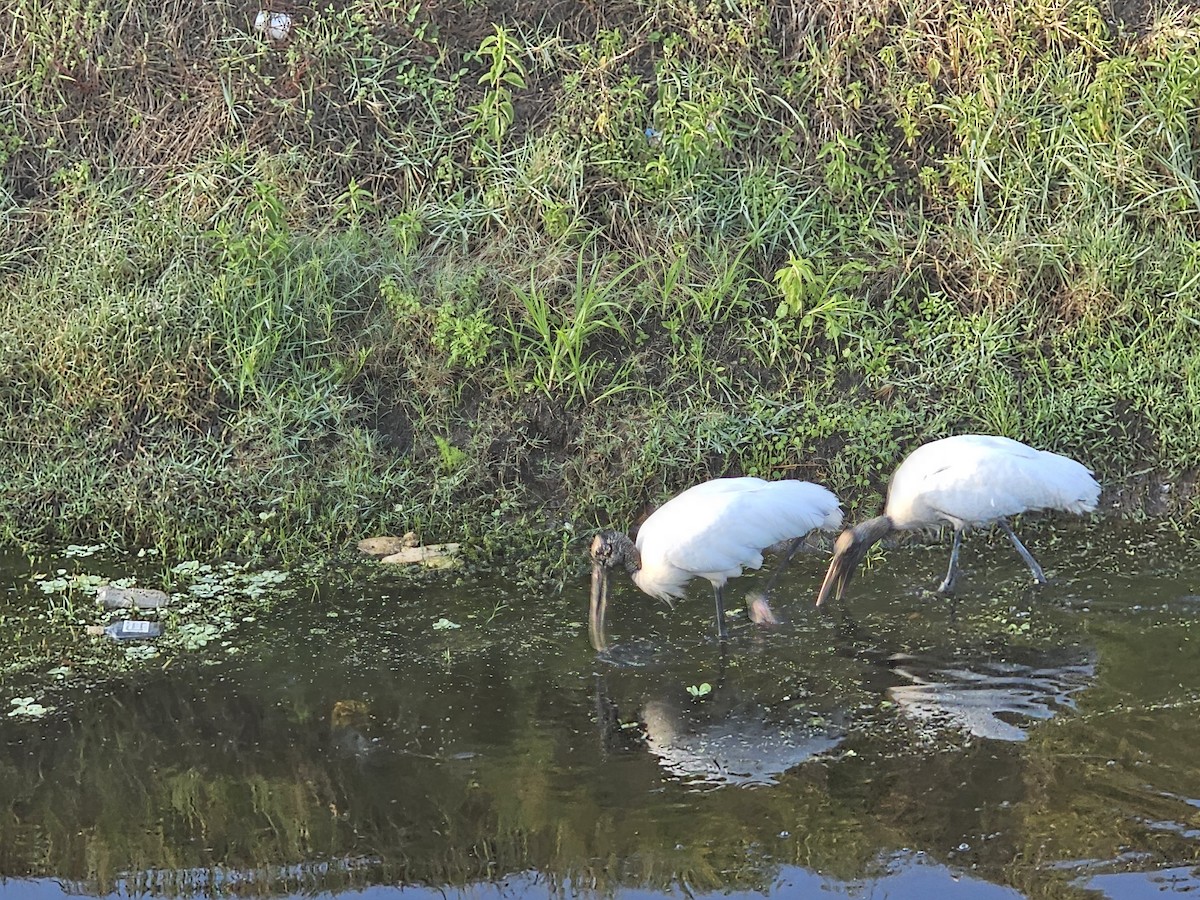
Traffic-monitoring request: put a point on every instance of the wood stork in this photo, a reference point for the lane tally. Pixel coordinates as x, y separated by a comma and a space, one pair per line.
713, 531
967, 481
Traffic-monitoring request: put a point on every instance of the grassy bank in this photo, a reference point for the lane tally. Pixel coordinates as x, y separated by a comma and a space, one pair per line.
447, 268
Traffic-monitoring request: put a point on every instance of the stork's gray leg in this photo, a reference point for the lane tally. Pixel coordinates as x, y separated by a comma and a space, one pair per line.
947, 585
1038, 575
787, 558
719, 596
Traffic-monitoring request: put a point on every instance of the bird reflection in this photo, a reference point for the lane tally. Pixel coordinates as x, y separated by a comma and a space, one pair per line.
994, 692
991, 698
718, 741
740, 748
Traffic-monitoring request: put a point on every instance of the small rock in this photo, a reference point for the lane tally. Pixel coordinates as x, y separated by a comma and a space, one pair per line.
386, 545
114, 597
433, 556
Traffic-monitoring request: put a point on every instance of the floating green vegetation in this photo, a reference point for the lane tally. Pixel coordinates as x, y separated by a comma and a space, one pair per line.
27, 708
60, 634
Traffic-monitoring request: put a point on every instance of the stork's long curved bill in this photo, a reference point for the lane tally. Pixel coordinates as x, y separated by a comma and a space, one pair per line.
848, 552
599, 607
836, 579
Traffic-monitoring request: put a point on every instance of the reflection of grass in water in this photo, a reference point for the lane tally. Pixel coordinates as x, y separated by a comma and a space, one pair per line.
152, 777
1111, 783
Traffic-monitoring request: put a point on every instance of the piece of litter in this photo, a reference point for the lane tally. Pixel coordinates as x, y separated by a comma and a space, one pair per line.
275, 26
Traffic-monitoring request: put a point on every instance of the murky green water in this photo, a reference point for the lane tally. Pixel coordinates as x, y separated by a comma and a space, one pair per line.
1019, 742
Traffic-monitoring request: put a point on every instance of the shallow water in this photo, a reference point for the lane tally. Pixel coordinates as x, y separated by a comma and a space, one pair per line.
1017, 742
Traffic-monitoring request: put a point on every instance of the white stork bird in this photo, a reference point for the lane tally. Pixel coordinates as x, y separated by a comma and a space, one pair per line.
966, 481
713, 531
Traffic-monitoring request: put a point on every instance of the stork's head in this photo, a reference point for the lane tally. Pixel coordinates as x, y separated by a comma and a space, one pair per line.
609, 549
850, 550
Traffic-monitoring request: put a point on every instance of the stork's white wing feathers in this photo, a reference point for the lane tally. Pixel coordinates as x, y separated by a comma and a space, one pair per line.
717, 528
975, 479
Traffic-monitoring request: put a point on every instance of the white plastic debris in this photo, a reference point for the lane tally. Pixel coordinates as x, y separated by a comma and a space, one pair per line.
275, 26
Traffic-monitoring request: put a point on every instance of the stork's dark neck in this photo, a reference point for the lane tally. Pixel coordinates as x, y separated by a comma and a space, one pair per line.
612, 548
867, 533
848, 551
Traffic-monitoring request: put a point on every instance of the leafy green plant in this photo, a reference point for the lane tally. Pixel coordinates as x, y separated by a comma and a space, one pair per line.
465, 339
250, 309
451, 457
552, 340
505, 72
407, 228
818, 298
28, 708
354, 203
401, 302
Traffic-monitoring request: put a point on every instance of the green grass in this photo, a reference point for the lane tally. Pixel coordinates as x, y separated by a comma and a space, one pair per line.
427, 269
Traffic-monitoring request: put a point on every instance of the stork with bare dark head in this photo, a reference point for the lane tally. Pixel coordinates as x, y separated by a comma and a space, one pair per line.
712, 531
966, 481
